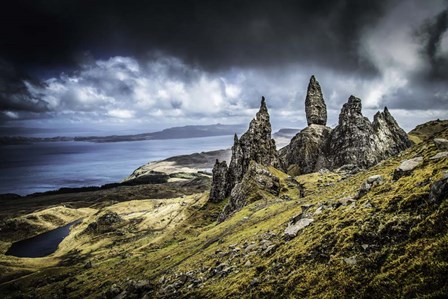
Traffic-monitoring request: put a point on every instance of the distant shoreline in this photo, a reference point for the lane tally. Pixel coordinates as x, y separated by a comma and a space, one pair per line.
185, 132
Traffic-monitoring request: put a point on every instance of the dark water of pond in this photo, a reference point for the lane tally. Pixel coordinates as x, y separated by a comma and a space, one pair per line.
41, 245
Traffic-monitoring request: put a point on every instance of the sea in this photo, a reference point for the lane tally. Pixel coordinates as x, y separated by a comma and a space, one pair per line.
40, 167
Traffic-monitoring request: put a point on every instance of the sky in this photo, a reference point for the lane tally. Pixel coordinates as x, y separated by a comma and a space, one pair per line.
140, 66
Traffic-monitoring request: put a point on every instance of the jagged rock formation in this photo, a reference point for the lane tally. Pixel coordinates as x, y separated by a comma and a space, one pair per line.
218, 190
351, 140
256, 179
304, 154
254, 145
315, 108
355, 141
359, 142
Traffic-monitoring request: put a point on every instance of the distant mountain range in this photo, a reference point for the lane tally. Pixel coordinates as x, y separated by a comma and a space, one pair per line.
194, 131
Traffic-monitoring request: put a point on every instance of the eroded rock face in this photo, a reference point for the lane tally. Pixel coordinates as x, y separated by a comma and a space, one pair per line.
255, 145
350, 142
390, 139
256, 178
355, 141
315, 108
359, 142
304, 153
218, 190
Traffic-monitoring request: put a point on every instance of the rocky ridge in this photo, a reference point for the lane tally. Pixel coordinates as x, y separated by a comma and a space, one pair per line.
354, 141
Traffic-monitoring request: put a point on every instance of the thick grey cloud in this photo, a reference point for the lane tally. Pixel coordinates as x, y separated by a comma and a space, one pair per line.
211, 34
15, 97
432, 34
184, 62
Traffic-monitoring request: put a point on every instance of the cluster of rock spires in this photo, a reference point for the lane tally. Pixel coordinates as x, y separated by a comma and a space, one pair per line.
355, 143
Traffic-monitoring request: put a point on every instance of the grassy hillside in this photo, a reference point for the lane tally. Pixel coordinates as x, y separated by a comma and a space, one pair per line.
428, 130
390, 243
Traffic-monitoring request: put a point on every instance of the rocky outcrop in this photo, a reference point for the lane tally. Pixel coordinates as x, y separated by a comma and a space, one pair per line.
247, 171
235, 173
355, 141
389, 137
315, 108
442, 144
256, 179
372, 181
218, 190
255, 145
304, 154
351, 141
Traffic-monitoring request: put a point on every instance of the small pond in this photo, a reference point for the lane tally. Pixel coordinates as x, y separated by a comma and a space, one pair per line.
41, 245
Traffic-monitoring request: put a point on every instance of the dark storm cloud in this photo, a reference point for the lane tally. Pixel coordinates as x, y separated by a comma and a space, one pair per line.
206, 61
14, 94
212, 34
432, 33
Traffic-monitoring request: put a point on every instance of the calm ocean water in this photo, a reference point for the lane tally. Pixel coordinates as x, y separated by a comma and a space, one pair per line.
39, 167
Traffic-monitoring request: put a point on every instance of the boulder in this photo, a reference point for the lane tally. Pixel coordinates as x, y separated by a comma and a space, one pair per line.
375, 180
439, 190
293, 228
406, 167
441, 143
439, 156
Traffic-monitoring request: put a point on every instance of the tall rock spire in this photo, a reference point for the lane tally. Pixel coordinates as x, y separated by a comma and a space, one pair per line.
315, 108
218, 191
255, 145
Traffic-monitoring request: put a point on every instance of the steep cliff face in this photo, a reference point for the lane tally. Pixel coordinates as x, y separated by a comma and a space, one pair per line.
255, 145
352, 139
359, 142
304, 154
355, 140
390, 136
